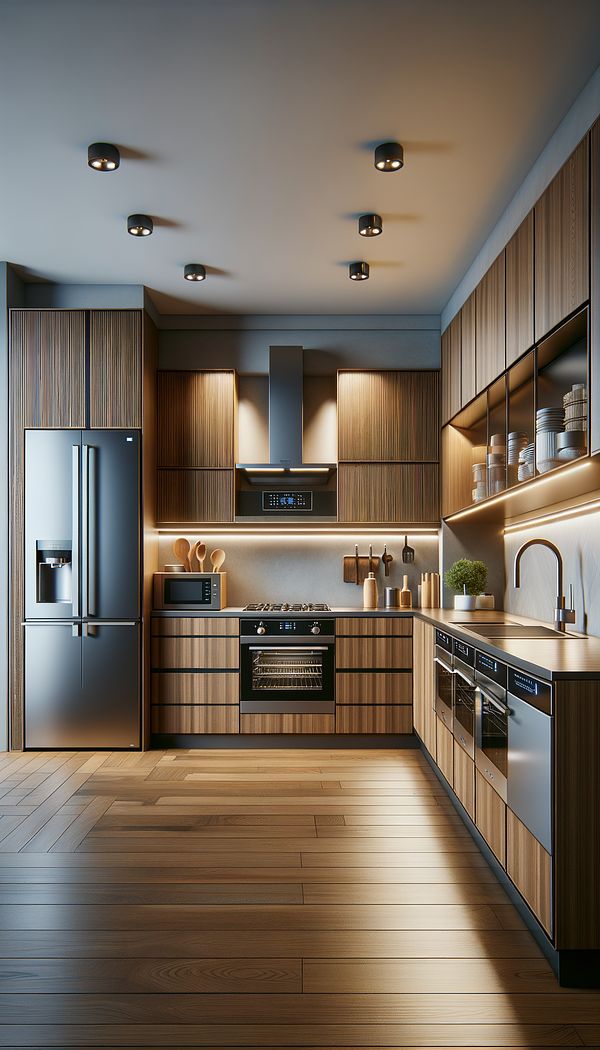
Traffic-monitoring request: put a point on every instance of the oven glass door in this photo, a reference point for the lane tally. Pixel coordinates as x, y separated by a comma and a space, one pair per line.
287, 672
464, 710
493, 741
444, 687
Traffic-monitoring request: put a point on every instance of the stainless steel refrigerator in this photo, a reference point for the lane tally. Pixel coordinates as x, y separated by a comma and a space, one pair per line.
82, 589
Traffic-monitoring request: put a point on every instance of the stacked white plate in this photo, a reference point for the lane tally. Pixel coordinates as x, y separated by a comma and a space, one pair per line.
479, 490
517, 441
549, 423
576, 408
496, 464
526, 462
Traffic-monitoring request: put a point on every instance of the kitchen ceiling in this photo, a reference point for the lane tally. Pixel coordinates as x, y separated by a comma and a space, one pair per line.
246, 130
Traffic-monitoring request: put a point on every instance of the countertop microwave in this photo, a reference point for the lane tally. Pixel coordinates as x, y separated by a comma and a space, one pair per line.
190, 590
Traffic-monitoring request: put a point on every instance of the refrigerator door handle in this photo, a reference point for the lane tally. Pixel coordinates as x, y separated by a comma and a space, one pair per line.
88, 554
75, 529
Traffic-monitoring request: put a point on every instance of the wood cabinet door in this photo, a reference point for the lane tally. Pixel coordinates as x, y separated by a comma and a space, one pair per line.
388, 416
388, 492
490, 817
490, 325
562, 249
194, 496
47, 362
468, 386
519, 291
464, 779
451, 369
529, 866
116, 368
373, 719
445, 751
424, 684
196, 419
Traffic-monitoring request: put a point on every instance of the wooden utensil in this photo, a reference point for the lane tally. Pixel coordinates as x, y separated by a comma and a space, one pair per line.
386, 559
217, 558
408, 554
181, 550
200, 553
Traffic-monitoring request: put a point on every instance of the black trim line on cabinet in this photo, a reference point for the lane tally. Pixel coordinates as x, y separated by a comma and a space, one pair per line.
191, 741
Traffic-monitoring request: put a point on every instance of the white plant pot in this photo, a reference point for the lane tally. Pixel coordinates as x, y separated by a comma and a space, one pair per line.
465, 602
485, 601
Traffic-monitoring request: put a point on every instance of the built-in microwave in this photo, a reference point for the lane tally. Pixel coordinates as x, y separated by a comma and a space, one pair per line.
190, 590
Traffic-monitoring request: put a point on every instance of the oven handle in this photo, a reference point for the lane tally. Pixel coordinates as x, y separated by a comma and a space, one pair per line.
437, 660
289, 648
464, 677
502, 708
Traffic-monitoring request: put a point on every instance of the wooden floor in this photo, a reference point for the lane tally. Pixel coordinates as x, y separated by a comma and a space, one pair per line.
259, 898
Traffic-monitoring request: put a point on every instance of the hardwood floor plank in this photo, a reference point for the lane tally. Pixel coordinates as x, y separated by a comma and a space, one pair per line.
421, 975
409, 893
166, 894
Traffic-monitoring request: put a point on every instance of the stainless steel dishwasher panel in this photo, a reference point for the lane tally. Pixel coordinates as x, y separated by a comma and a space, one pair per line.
529, 791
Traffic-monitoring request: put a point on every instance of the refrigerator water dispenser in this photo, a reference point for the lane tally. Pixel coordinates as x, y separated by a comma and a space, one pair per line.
54, 572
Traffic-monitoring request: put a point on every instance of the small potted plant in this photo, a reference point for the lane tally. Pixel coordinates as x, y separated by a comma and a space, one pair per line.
468, 579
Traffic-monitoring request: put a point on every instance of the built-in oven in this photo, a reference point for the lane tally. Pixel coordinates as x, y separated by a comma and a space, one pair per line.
287, 665
492, 714
444, 678
465, 690
530, 754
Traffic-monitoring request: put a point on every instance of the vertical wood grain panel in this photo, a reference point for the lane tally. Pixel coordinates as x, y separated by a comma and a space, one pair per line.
195, 687
394, 492
200, 626
468, 387
354, 687
196, 419
445, 751
195, 652
115, 368
388, 416
490, 817
562, 242
490, 324
424, 684
519, 291
363, 719
150, 544
195, 719
373, 653
385, 626
451, 369
194, 495
529, 866
464, 779
296, 724
595, 286
456, 474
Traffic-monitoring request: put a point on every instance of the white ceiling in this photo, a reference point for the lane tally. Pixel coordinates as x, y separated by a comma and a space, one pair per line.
246, 128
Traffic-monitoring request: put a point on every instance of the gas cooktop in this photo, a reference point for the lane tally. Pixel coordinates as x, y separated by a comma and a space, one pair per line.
287, 607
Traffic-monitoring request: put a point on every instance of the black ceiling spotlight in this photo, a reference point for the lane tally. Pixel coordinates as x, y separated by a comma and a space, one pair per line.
358, 271
102, 156
139, 225
389, 156
194, 272
370, 225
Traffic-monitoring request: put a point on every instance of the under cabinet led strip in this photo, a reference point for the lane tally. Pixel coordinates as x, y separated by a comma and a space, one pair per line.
558, 515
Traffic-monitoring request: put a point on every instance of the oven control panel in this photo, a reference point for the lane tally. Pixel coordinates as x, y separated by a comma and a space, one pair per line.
493, 669
444, 640
464, 652
284, 628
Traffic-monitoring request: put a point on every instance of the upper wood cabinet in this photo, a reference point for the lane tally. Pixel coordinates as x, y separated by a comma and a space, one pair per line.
519, 291
116, 368
562, 243
388, 492
47, 363
467, 356
196, 419
490, 325
388, 416
451, 369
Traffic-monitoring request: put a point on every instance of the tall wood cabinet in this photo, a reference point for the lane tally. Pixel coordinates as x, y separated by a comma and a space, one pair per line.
519, 291
116, 368
388, 434
196, 446
562, 243
490, 324
451, 369
468, 358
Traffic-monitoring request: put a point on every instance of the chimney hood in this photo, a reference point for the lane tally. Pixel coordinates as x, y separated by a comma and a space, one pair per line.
286, 465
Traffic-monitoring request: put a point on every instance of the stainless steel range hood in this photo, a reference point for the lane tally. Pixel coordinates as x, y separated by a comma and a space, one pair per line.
286, 465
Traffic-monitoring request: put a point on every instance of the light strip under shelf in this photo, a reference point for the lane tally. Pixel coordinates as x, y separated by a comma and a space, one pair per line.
511, 493
548, 519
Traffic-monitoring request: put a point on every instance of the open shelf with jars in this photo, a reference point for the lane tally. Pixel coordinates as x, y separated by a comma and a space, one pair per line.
530, 422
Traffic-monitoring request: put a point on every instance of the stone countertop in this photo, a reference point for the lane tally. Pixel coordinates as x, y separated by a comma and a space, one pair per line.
574, 656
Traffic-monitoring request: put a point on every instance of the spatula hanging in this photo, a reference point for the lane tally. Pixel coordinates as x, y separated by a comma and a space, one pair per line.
408, 554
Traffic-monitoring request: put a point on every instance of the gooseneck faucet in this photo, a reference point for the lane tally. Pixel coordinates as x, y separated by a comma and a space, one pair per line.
562, 615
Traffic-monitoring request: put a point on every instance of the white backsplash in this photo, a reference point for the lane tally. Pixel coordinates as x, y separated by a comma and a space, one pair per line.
578, 540
307, 568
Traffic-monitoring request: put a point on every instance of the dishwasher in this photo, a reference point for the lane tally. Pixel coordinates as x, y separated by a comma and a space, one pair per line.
529, 780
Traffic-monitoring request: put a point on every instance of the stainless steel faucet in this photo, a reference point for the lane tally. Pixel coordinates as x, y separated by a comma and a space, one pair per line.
562, 614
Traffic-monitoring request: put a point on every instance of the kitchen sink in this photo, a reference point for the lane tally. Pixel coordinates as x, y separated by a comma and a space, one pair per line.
505, 629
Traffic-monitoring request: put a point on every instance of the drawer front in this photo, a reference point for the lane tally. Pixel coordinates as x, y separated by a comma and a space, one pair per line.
372, 687
375, 719
529, 866
298, 724
195, 653
490, 817
464, 779
195, 719
381, 625
209, 626
195, 688
445, 751
367, 654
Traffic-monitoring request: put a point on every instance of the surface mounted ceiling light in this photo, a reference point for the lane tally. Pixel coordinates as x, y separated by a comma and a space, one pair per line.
370, 225
102, 156
389, 156
139, 225
194, 272
358, 271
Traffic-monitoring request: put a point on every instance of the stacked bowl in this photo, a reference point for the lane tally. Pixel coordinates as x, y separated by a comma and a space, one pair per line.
549, 423
517, 441
479, 490
573, 443
526, 468
496, 465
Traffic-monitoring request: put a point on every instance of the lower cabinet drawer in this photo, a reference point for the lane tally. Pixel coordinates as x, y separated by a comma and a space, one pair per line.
363, 719
464, 779
183, 719
280, 723
490, 817
367, 654
529, 866
373, 687
207, 626
195, 687
195, 652
445, 751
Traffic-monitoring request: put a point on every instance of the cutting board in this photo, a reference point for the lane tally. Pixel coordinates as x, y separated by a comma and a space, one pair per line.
363, 567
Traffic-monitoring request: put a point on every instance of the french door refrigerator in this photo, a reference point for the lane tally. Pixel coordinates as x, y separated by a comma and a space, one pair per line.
82, 589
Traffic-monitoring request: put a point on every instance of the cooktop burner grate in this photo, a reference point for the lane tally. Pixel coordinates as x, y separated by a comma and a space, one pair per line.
287, 607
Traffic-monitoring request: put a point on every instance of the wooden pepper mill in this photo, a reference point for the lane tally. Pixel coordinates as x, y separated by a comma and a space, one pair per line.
405, 594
